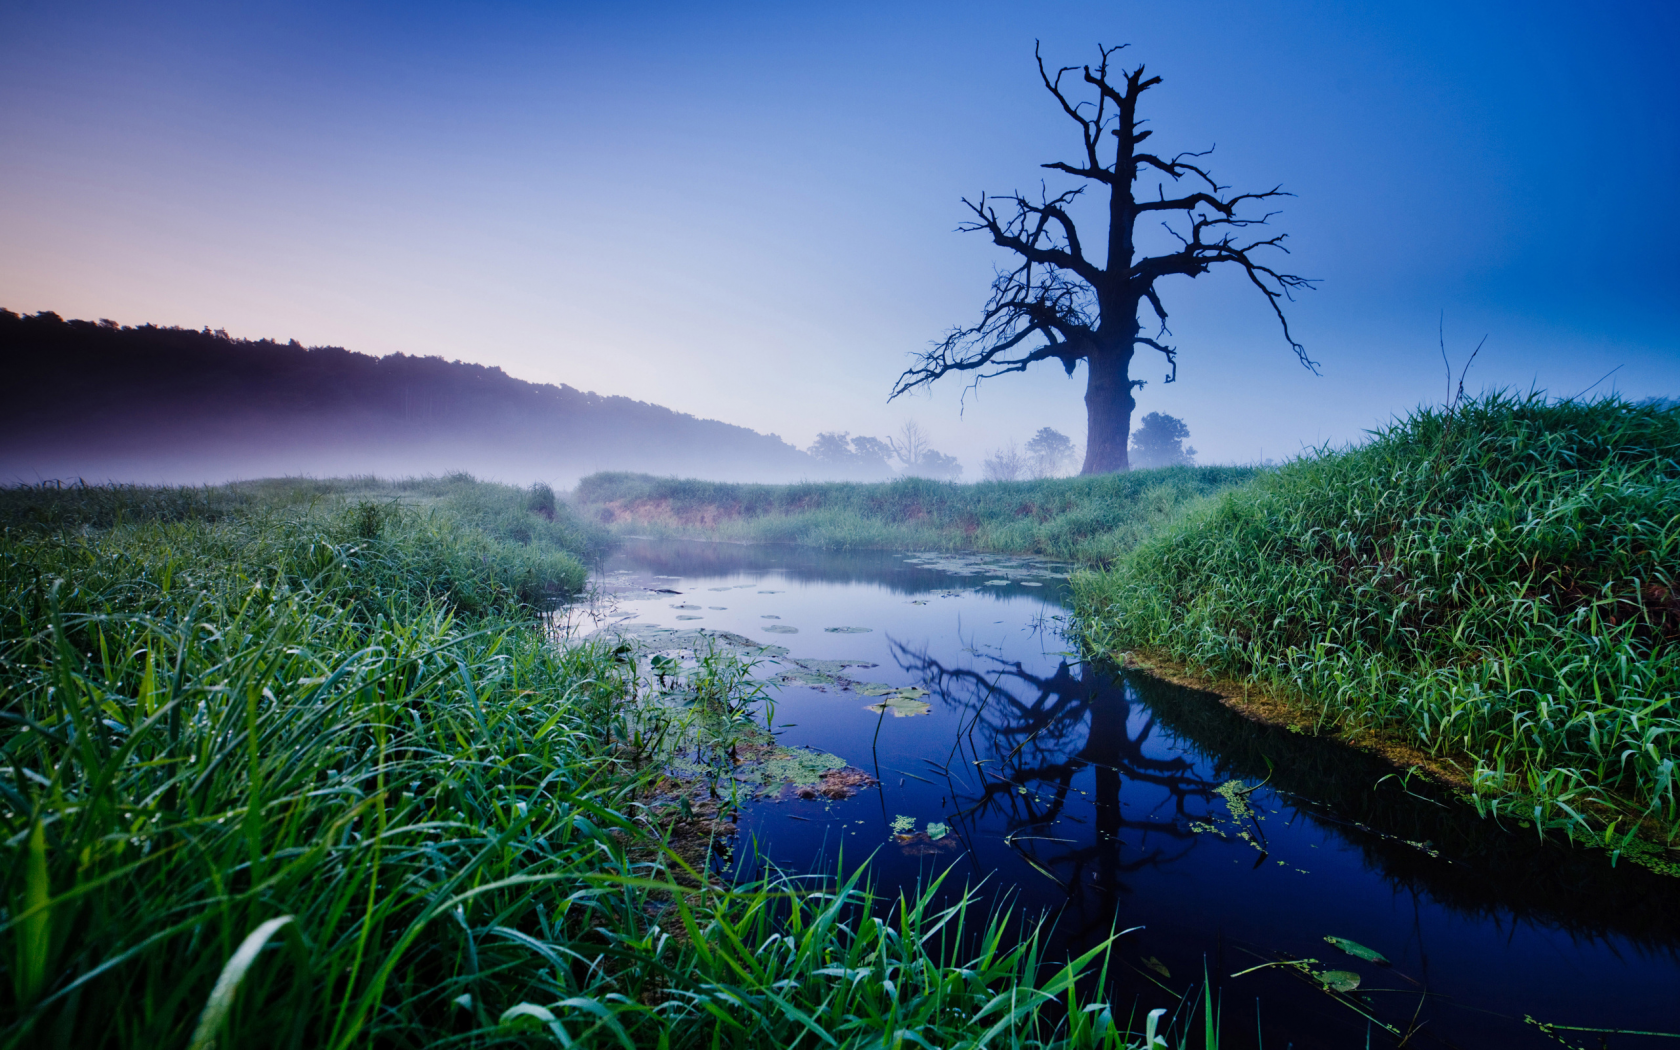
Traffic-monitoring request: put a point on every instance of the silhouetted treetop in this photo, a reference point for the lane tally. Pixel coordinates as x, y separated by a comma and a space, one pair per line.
1070, 298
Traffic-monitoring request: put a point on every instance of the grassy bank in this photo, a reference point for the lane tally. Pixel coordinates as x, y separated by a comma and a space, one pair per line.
1494, 585
296, 765
1090, 520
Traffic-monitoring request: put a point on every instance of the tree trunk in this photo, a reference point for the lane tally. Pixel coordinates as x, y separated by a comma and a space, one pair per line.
1108, 410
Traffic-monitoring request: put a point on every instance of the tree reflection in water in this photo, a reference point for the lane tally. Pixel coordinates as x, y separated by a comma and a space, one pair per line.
1037, 732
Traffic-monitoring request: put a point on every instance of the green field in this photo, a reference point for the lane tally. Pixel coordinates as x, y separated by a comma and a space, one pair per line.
1494, 585
297, 764
1089, 520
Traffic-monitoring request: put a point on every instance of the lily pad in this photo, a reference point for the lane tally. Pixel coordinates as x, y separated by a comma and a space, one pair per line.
997, 583
1338, 980
1029, 583
781, 628
675, 605
769, 616
691, 617
770, 592
833, 666
937, 831
848, 630
804, 677
907, 692
1358, 951
901, 706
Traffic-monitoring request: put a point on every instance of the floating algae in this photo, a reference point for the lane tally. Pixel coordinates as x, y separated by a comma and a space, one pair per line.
1236, 795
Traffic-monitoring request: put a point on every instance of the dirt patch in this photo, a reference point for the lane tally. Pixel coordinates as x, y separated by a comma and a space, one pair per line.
1270, 708
920, 844
834, 784
1650, 848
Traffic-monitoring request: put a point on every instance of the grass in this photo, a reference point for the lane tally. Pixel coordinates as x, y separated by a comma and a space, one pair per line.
297, 764
1494, 584
1091, 520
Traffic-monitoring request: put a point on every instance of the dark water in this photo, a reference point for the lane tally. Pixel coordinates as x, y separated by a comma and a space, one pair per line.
1091, 794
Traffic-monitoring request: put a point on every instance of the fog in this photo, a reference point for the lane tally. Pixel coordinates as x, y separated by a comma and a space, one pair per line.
99, 402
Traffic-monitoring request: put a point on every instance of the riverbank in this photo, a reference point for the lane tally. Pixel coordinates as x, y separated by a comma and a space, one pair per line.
1492, 586
1088, 520
327, 718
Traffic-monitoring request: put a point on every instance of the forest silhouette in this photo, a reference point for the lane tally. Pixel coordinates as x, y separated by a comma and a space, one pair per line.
96, 400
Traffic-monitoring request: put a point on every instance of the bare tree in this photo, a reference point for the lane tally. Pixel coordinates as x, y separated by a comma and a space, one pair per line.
1058, 303
1005, 464
915, 451
910, 444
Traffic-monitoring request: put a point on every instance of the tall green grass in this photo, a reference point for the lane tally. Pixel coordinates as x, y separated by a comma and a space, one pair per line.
1090, 519
1493, 583
319, 777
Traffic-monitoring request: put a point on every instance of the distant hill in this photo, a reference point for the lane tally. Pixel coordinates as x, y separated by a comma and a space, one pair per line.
105, 402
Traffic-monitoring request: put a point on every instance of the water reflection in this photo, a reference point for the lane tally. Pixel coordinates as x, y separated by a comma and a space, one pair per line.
1042, 731
1039, 731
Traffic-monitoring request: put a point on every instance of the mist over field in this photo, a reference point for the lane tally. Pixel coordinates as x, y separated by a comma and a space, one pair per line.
99, 402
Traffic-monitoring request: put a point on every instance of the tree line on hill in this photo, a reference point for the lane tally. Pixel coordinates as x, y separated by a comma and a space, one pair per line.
97, 400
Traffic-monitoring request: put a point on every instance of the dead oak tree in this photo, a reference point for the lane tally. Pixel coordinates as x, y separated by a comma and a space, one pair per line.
1058, 303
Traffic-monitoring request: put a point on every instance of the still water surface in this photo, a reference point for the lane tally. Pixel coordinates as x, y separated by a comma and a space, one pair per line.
1104, 799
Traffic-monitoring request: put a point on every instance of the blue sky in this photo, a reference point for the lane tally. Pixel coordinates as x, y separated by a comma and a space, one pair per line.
746, 211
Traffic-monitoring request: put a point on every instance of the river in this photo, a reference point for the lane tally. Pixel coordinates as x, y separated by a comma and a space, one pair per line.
1103, 799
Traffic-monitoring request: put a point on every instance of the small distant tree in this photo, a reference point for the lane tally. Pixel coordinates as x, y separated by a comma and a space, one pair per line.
915, 452
873, 454
1160, 442
1005, 464
910, 444
852, 455
1049, 452
833, 447
939, 466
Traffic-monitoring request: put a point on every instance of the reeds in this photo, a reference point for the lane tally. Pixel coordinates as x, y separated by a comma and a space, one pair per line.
269, 780
1090, 520
1494, 583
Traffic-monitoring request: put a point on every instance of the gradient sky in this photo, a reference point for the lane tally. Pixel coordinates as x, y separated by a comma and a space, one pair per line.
746, 211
